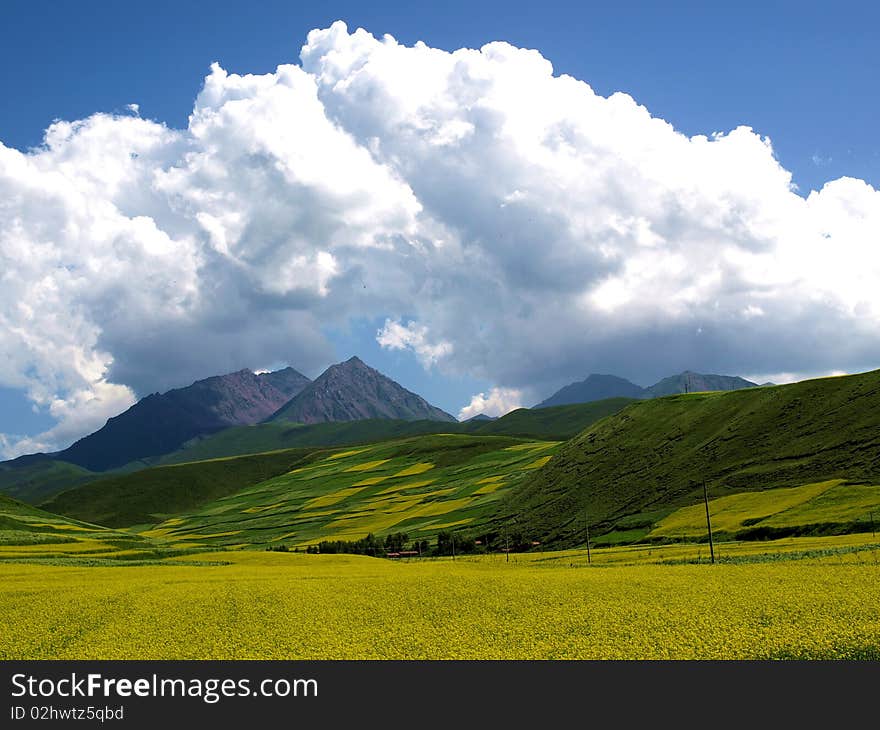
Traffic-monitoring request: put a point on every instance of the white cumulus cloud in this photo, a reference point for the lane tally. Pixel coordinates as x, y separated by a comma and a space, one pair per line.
505, 222
395, 336
496, 403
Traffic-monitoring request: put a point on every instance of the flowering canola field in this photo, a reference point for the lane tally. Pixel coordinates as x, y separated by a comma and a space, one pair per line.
550, 606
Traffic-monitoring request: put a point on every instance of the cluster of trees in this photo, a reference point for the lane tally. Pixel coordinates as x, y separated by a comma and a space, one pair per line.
398, 543
456, 543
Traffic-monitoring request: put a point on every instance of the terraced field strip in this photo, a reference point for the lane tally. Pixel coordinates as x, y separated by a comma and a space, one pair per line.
28, 533
822, 503
376, 489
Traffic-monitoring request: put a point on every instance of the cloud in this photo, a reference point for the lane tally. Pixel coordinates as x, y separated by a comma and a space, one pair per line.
498, 402
395, 336
507, 223
79, 413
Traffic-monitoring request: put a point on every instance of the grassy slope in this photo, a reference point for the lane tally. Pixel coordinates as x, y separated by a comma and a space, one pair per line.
832, 506
277, 435
557, 423
29, 533
38, 481
653, 455
148, 496
420, 485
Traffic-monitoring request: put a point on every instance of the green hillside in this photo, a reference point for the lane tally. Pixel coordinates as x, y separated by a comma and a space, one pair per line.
831, 507
151, 495
557, 423
419, 486
281, 435
37, 481
29, 533
627, 472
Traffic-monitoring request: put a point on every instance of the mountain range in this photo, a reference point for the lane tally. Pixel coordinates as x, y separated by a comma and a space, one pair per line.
353, 391
599, 387
164, 423
631, 467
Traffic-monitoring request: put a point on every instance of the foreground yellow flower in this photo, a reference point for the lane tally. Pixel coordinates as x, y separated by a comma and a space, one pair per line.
274, 606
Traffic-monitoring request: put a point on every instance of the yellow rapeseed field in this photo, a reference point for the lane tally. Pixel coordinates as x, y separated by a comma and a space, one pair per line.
553, 606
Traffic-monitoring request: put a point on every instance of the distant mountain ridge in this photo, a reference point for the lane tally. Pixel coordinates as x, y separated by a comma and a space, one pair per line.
690, 382
161, 423
481, 417
599, 387
630, 469
353, 391
594, 387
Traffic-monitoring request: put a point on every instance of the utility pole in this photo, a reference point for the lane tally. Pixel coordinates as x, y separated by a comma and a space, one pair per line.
708, 522
587, 523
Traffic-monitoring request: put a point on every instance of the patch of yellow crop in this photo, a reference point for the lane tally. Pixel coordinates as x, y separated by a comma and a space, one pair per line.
66, 526
841, 503
489, 480
370, 481
396, 506
489, 488
368, 466
538, 463
727, 513
441, 507
82, 545
276, 606
529, 446
435, 492
419, 468
215, 534
255, 510
410, 485
343, 454
353, 528
332, 498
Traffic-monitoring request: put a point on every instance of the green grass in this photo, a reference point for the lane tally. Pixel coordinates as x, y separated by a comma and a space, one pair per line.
654, 455
420, 486
151, 495
36, 482
558, 423
27, 532
789, 510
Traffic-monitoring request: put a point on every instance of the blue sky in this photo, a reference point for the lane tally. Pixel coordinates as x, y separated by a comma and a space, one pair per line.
804, 74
